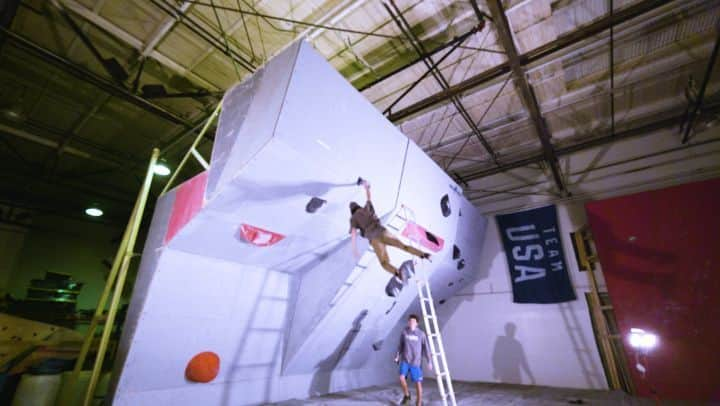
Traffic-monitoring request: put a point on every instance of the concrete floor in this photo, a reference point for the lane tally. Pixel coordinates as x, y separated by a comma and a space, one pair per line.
476, 394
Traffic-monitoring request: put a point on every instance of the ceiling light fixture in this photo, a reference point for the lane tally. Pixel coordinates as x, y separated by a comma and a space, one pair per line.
161, 169
93, 212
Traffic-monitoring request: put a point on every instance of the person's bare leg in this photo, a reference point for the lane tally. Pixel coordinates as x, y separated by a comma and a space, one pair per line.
418, 387
381, 252
393, 241
403, 383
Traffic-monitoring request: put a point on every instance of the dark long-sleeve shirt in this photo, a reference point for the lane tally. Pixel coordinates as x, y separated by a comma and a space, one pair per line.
367, 222
413, 347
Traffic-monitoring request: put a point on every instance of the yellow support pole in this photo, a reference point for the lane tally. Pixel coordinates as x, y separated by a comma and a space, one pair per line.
133, 227
192, 147
99, 310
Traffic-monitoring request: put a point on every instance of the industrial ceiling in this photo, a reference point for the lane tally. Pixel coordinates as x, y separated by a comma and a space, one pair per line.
88, 88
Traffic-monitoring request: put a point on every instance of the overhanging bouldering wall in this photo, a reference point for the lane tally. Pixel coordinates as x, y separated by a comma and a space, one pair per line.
237, 265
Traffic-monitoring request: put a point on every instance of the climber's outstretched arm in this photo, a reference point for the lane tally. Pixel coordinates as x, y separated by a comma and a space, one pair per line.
353, 242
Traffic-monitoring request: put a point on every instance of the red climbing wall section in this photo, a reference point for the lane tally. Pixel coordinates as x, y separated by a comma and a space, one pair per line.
660, 255
188, 201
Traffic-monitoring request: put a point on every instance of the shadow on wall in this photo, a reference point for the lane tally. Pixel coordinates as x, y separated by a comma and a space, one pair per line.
509, 359
320, 384
273, 191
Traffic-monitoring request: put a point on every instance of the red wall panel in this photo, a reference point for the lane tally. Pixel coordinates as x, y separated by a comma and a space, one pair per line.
660, 255
188, 202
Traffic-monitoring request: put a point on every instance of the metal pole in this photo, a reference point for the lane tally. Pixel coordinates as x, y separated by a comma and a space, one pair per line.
192, 147
98, 312
134, 226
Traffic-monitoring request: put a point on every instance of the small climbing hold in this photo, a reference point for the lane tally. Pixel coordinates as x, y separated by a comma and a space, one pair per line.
314, 204
445, 206
442, 301
407, 269
456, 252
450, 284
377, 345
203, 367
258, 236
461, 264
431, 237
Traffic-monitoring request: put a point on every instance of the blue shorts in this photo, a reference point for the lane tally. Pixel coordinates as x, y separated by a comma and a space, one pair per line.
415, 372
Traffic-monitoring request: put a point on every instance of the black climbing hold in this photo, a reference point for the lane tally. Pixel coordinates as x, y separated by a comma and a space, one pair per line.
442, 301
377, 345
314, 204
450, 284
445, 205
461, 264
459, 213
431, 238
456, 252
407, 269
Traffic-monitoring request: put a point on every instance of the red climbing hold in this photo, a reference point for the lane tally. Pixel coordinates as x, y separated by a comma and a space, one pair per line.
203, 367
258, 236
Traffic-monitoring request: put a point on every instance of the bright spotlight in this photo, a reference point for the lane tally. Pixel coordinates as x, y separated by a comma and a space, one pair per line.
641, 339
93, 211
161, 169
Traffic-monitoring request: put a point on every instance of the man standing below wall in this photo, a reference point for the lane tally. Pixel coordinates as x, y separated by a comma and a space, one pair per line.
412, 350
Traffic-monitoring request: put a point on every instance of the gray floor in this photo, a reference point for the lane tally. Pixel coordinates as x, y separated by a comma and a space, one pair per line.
477, 394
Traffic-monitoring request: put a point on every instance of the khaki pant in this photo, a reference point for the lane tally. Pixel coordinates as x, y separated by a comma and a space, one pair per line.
380, 244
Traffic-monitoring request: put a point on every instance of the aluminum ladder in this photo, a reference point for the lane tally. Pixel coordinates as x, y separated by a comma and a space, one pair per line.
432, 327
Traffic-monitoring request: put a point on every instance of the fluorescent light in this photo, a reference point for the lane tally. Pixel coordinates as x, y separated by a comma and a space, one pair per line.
161, 169
640, 339
93, 211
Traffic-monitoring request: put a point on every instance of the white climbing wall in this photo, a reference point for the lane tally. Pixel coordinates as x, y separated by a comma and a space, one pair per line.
299, 316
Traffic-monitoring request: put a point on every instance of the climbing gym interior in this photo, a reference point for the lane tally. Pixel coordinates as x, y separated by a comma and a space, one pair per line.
347, 202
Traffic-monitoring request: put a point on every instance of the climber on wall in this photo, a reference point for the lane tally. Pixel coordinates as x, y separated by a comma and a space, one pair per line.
365, 220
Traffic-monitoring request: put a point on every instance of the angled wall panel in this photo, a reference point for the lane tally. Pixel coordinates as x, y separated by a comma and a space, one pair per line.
270, 287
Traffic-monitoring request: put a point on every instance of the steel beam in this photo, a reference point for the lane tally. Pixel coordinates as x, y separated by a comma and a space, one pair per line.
201, 32
111, 70
670, 119
527, 95
561, 43
405, 28
690, 123
92, 78
434, 66
117, 32
432, 52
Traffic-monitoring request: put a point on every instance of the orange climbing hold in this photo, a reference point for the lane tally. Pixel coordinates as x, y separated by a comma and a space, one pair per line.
203, 367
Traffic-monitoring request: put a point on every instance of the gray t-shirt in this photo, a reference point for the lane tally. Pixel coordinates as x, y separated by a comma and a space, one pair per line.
413, 347
367, 221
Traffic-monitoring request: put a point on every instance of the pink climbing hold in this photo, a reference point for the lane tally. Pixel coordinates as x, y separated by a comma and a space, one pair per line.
426, 239
258, 236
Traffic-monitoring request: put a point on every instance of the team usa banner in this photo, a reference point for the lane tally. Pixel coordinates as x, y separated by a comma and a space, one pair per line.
535, 256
